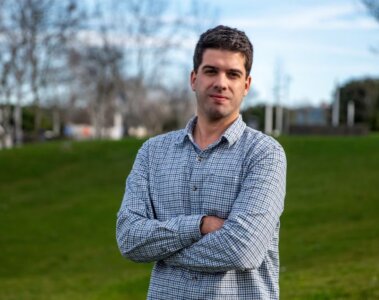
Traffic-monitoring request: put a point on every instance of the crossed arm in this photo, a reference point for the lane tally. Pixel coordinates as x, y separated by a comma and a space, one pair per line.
238, 243
140, 236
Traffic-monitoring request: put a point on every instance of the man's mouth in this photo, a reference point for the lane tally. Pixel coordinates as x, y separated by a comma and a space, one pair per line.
218, 98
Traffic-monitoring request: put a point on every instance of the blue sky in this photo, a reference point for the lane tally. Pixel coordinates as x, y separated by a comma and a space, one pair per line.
315, 44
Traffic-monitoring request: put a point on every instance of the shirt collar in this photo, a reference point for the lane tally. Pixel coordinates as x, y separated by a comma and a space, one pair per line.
231, 134
235, 131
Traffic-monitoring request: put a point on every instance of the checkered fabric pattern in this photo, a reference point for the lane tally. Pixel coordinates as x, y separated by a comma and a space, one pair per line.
173, 184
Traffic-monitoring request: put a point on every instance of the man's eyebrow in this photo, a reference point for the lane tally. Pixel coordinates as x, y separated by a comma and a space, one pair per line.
215, 68
209, 67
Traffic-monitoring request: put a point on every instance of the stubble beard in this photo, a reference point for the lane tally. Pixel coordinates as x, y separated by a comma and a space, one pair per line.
213, 113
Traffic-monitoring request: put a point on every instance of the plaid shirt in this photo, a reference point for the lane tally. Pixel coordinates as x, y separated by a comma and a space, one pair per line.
173, 184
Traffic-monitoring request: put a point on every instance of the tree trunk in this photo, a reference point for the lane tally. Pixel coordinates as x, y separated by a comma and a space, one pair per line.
56, 122
18, 134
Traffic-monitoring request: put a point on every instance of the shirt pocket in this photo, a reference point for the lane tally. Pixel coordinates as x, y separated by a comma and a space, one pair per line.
168, 192
219, 193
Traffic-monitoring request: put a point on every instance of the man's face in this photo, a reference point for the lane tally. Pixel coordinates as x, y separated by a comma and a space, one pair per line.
220, 84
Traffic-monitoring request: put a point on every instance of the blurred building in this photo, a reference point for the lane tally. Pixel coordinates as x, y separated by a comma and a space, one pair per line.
84, 131
310, 116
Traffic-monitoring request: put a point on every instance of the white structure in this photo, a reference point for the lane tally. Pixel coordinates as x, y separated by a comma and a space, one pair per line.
336, 108
86, 131
278, 120
350, 113
17, 116
268, 119
117, 131
138, 132
6, 141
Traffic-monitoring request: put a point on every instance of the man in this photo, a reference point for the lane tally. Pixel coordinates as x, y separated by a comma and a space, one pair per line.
204, 202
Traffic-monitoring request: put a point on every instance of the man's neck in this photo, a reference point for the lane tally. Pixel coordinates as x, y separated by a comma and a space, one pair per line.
207, 132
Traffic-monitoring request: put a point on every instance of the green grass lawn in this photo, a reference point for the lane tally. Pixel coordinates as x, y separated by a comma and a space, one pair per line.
58, 205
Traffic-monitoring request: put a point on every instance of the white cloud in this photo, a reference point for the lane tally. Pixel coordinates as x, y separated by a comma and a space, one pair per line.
283, 46
322, 17
96, 38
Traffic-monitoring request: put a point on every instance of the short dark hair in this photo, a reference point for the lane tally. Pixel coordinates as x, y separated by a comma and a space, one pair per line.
224, 38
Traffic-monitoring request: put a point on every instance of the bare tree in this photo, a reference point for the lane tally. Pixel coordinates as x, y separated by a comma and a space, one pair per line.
33, 35
127, 57
51, 26
99, 74
96, 63
158, 42
9, 50
125, 51
373, 8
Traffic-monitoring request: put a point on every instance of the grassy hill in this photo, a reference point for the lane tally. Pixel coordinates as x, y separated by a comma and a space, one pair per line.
58, 205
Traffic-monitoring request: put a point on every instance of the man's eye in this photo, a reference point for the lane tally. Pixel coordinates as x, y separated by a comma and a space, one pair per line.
210, 71
234, 75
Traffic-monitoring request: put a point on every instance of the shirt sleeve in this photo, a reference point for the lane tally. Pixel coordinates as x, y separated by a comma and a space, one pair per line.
140, 236
244, 240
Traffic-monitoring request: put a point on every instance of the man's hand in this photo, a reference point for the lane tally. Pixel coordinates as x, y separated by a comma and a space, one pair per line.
210, 224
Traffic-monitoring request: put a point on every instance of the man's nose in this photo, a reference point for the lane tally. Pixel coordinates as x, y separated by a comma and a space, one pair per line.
221, 82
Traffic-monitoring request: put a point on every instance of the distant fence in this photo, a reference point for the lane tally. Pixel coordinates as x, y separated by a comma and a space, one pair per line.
328, 130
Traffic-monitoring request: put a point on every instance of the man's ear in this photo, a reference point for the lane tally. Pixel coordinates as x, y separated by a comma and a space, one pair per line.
193, 80
247, 85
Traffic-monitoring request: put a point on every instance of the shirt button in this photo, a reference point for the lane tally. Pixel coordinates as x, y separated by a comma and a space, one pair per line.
199, 158
194, 188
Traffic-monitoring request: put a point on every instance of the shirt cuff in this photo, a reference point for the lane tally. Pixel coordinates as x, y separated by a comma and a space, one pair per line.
190, 229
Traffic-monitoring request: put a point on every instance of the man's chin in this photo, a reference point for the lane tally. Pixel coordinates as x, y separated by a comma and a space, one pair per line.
216, 115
